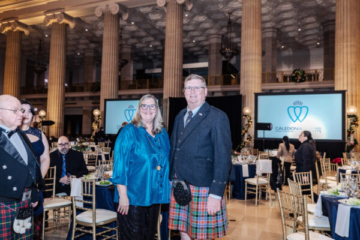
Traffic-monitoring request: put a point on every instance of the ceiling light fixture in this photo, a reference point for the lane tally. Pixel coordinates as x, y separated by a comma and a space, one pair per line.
193, 40
318, 43
228, 49
299, 29
186, 15
86, 29
282, 46
78, 53
132, 23
46, 35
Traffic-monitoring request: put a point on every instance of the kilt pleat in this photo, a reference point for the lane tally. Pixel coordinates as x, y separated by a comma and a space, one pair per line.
194, 218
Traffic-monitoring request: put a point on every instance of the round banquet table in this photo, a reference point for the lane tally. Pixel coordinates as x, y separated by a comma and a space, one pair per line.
105, 200
239, 183
330, 207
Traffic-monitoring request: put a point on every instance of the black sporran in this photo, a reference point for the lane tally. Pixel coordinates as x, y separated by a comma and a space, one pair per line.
182, 193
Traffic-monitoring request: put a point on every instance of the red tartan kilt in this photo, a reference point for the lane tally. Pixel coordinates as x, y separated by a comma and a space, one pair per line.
194, 218
7, 216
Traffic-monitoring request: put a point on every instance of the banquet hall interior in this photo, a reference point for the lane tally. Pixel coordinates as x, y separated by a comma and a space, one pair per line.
72, 58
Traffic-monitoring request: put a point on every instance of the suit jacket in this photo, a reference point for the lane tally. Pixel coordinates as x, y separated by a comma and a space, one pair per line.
201, 152
14, 172
75, 165
283, 152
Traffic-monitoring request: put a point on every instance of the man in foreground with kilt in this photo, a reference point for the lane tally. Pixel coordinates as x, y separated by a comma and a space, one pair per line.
201, 156
19, 172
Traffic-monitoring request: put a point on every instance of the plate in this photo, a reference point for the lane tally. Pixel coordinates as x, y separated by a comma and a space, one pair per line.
102, 185
345, 201
325, 193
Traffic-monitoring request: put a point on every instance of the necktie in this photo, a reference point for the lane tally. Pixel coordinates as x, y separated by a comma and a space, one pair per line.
12, 132
188, 118
63, 173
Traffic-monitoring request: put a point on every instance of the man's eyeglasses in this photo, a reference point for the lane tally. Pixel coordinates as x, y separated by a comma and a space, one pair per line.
196, 89
15, 111
145, 106
63, 144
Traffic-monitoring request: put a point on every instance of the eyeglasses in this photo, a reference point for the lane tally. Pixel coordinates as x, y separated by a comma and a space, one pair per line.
145, 106
63, 144
196, 89
15, 111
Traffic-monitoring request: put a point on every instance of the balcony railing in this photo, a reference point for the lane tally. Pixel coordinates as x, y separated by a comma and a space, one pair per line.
220, 80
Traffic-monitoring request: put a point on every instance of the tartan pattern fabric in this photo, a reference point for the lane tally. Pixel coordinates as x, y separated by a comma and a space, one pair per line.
7, 216
194, 218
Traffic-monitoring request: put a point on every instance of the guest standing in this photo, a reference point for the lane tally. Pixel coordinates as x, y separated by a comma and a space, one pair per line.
40, 146
68, 163
20, 172
141, 171
305, 155
201, 155
286, 150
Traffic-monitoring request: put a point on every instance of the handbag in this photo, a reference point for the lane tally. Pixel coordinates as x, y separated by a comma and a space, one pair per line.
182, 193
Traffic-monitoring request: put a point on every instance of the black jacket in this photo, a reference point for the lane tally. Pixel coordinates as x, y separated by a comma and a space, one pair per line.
75, 165
201, 152
305, 158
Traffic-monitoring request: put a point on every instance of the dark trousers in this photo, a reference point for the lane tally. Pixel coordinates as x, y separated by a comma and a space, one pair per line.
287, 166
139, 224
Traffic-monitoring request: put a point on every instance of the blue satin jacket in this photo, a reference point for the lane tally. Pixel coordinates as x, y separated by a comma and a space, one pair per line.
141, 162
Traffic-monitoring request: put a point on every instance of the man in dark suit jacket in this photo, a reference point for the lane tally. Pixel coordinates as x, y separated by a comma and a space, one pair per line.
19, 170
201, 155
74, 165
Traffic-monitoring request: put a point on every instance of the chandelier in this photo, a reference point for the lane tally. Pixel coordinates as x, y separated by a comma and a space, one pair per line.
228, 49
122, 62
39, 67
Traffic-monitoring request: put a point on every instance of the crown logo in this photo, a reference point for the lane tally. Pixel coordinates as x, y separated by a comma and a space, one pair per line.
297, 103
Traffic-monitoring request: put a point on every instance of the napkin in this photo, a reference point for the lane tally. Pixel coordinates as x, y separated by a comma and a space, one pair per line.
318, 208
343, 220
76, 191
245, 170
263, 166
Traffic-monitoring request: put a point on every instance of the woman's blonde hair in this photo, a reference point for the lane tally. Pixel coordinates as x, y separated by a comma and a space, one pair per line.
158, 123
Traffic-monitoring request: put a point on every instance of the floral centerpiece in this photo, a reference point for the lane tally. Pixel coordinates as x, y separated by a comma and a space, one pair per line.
80, 147
352, 142
298, 75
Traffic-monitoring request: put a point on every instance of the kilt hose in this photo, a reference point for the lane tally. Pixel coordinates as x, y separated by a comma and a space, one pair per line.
194, 218
7, 216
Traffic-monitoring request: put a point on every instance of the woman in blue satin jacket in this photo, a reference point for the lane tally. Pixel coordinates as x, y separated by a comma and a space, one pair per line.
141, 171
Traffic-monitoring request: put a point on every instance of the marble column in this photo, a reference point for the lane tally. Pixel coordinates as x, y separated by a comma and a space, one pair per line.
215, 60
12, 63
87, 121
89, 66
110, 53
128, 70
347, 51
173, 59
56, 84
251, 52
269, 60
329, 49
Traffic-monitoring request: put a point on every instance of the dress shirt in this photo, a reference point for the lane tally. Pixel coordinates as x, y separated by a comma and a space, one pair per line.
194, 112
17, 143
141, 163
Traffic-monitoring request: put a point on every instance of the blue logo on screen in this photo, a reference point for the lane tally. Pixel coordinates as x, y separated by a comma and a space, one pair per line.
298, 113
129, 113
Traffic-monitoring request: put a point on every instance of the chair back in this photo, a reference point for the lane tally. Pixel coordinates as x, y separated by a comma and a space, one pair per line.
54, 144
344, 156
344, 176
295, 204
255, 152
295, 187
263, 156
106, 150
306, 182
107, 163
91, 159
87, 201
50, 181
101, 144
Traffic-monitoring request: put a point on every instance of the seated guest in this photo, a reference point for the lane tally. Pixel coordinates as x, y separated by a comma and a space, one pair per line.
68, 163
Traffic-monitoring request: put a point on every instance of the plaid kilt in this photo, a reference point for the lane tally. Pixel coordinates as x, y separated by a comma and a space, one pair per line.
194, 218
7, 216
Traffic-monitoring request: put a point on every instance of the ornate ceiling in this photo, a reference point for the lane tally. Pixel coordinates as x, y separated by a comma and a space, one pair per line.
298, 24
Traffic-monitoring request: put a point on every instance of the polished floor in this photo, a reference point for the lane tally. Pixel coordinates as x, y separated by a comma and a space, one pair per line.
246, 222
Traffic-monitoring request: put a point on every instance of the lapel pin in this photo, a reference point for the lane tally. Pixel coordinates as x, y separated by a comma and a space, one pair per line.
200, 114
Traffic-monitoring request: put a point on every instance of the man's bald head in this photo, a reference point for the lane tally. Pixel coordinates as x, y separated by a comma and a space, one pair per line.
63, 145
10, 111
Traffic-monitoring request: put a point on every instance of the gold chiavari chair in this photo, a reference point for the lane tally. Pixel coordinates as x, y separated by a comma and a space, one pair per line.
255, 152
297, 205
355, 176
323, 182
263, 156
107, 163
106, 150
91, 217
295, 188
91, 161
101, 144
55, 204
306, 182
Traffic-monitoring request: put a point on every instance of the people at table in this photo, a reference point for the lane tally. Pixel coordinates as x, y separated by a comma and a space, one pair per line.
286, 150
40, 147
200, 155
20, 171
305, 155
141, 171
68, 163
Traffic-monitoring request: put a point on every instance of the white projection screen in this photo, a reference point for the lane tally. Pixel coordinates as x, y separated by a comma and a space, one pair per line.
116, 112
322, 113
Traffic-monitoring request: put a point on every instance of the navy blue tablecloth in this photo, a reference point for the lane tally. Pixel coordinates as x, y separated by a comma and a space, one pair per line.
239, 183
329, 207
105, 200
